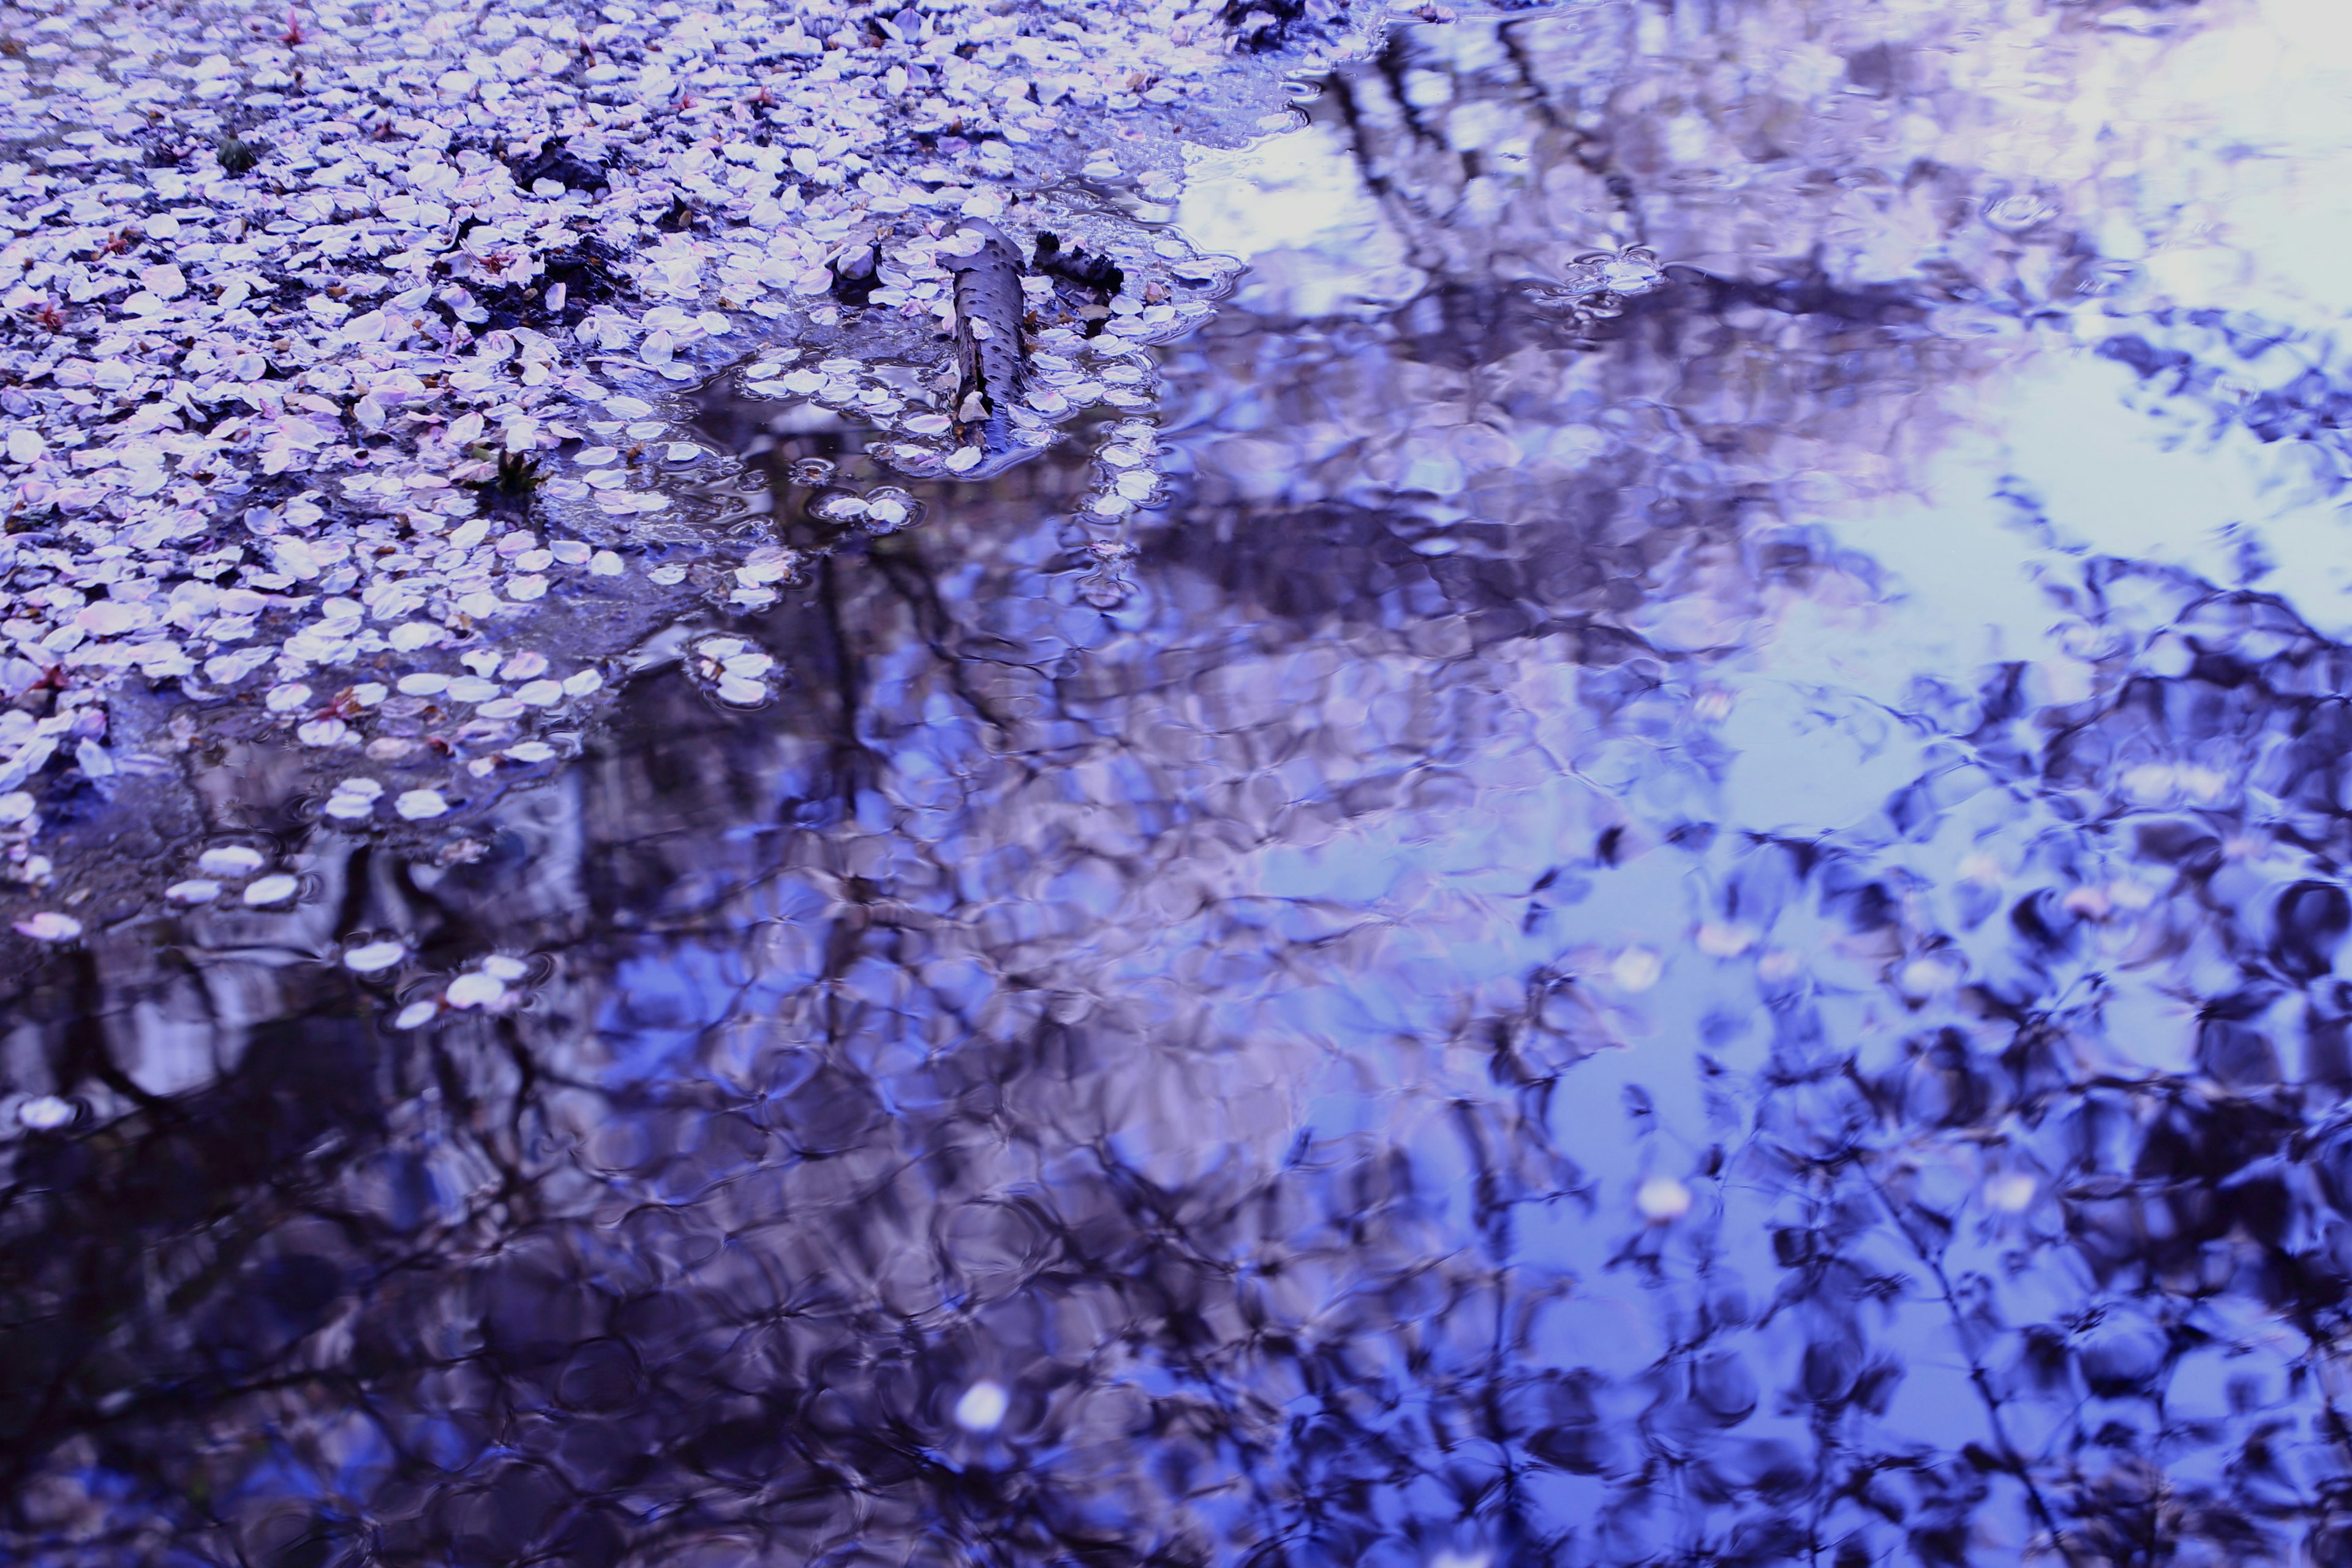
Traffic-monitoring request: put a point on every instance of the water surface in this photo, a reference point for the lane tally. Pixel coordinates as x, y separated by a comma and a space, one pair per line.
1674, 896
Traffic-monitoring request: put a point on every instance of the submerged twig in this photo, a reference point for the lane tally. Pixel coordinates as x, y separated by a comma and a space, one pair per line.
992, 359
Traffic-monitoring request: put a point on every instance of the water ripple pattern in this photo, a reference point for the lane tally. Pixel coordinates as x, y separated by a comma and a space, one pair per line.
1642, 863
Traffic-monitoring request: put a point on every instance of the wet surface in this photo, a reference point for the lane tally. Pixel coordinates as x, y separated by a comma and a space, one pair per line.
1667, 888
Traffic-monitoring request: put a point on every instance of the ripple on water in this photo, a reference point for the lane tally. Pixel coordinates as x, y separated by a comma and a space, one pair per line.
1557, 896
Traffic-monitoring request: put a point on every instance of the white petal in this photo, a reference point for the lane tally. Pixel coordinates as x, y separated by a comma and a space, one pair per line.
374, 958
982, 1408
1636, 969
50, 926
272, 891
1662, 1198
474, 991
2012, 1191
230, 860
418, 805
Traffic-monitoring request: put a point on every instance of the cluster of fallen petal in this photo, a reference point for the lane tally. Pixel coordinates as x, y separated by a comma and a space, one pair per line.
339, 345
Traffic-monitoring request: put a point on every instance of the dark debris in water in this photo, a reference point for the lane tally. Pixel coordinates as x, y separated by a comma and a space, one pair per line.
508, 491
555, 161
1083, 283
239, 156
854, 276
990, 342
1264, 26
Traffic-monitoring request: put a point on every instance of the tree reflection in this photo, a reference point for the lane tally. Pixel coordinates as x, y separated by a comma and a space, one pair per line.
1334, 1040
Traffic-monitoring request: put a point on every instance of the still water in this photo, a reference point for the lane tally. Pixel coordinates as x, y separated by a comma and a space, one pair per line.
1674, 896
